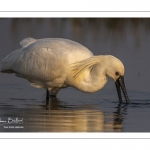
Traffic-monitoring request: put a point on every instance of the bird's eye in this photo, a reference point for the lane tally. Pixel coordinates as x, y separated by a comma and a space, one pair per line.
117, 73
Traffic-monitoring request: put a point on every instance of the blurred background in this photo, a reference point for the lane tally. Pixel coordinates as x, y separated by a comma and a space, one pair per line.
126, 38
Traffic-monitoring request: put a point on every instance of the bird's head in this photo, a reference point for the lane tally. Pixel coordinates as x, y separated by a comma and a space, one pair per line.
115, 70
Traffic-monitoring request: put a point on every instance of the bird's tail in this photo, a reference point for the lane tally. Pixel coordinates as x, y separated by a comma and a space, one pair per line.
8, 61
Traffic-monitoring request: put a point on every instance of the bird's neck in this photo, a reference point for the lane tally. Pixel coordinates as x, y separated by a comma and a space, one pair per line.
90, 80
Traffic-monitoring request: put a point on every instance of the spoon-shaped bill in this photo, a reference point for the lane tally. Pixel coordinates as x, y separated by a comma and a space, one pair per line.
120, 83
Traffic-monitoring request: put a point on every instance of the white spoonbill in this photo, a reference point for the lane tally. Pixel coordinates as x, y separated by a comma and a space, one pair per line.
55, 63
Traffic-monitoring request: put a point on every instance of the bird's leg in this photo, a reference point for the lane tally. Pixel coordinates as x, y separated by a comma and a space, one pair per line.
47, 94
54, 92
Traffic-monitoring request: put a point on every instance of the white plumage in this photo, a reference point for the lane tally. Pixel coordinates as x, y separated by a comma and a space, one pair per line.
54, 63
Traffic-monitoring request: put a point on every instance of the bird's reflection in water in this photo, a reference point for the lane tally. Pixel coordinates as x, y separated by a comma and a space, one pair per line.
59, 117
118, 115
53, 103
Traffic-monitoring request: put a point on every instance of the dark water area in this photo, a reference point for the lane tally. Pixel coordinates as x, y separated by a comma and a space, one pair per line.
73, 110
